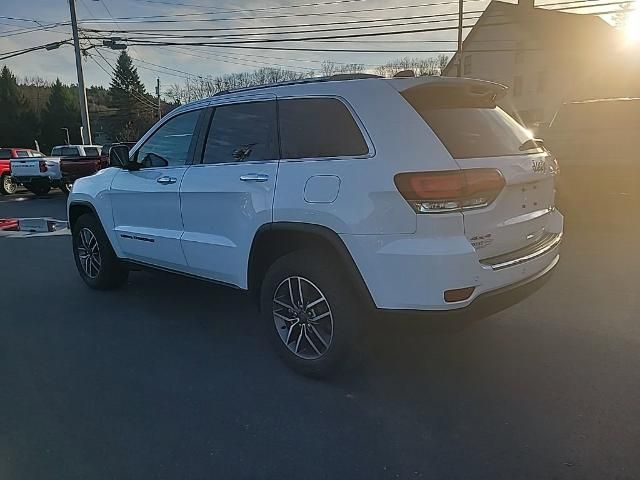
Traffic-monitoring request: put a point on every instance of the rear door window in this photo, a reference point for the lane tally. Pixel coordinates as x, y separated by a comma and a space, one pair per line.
22, 153
318, 128
467, 126
5, 154
242, 132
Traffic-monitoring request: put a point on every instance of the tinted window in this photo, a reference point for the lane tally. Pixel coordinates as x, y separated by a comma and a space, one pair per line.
476, 132
318, 127
5, 154
242, 132
70, 152
91, 151
169, 145
64, 152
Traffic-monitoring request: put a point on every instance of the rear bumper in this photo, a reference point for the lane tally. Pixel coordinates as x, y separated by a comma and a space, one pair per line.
408, 272
41, 180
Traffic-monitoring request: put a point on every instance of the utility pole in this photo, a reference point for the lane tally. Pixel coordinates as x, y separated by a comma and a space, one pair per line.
158, 95
82, 93
459, 52
67, 132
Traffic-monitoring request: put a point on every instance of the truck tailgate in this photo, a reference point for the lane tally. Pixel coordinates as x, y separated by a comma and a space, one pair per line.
28, 167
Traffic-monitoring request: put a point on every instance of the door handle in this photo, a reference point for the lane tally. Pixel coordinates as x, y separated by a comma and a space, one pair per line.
166, 180
254, 177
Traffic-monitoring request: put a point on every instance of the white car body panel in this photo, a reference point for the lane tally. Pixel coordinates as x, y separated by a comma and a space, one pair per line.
146, 215
221, 215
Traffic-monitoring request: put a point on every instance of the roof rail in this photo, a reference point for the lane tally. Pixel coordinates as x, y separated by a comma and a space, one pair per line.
330, 78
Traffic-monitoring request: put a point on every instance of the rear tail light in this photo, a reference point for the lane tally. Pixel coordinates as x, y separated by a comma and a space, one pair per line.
450, 190
42, 165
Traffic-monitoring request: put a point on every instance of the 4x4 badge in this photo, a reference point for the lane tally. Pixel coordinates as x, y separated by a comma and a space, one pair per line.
538, 166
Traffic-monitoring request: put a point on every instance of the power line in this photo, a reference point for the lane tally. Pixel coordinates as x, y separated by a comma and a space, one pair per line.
317, 4
265, 17
321, 30
22, 31
49, 46
300, 25
143, 41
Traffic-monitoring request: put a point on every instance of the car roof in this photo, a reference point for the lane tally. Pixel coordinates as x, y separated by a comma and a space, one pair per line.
339, 84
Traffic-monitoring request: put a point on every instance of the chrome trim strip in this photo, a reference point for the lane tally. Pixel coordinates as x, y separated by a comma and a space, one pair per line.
525, 258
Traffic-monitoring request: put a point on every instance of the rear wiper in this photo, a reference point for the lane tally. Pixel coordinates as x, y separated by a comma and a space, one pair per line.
531, 144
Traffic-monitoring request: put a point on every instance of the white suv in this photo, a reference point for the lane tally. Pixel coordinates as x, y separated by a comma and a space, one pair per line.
327, 196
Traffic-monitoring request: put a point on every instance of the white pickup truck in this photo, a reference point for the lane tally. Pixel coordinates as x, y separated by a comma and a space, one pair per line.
39, 175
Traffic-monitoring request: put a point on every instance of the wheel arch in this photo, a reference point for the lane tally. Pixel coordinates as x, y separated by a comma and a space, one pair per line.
274, 240
79, 208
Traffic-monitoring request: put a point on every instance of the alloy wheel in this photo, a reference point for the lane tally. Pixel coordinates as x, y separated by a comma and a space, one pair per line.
89, 253
303, 317
9, 185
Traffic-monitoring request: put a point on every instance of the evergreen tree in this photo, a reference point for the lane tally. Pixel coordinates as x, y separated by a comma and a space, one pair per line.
61, 111
18, 122
134, 114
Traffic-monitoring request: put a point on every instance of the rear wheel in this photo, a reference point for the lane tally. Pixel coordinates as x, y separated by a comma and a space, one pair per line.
8, 186
95, 259
38, 190
66, 186
310, 311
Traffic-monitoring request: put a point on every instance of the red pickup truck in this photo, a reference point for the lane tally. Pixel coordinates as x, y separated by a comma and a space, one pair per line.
7, 185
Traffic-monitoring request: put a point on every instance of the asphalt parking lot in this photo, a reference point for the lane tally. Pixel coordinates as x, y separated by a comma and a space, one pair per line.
171, 378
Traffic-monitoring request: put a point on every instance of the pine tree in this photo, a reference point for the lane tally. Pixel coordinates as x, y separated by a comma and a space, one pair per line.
134, 114
60, 112
18, 122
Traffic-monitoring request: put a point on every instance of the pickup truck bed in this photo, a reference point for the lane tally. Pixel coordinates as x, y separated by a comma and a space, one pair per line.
73, 168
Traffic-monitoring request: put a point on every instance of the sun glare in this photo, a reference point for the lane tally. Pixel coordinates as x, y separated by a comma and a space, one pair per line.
632, 25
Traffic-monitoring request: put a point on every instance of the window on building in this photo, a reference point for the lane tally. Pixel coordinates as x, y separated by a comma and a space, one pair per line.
517, 86
542, 82
467, 65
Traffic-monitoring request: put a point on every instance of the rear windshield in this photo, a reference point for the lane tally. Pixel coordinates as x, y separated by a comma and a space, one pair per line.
91, 151
5, 154
471, 129
64, 152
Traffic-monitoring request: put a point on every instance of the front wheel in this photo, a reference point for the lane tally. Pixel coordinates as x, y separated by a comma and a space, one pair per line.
309, 308
8, 186
38, 190
95, 259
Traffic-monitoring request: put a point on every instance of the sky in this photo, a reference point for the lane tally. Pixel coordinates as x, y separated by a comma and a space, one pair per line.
173, 64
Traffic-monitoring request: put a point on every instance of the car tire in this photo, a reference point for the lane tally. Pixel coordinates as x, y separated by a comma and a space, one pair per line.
38, 190
97, 263
7, 185
312, 347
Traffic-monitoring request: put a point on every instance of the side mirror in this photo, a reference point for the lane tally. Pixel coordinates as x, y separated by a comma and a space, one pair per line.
119, 157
